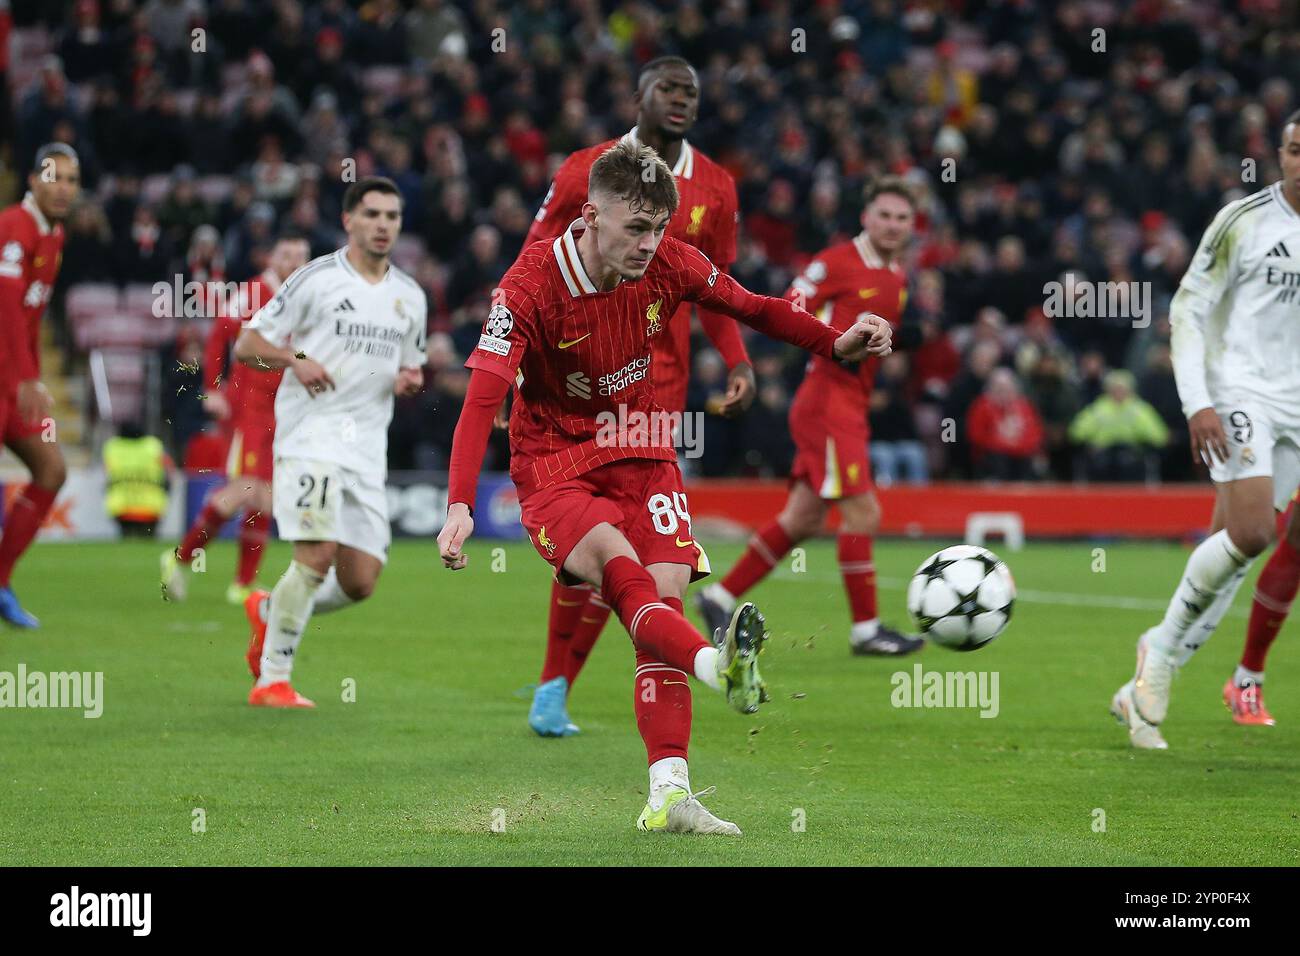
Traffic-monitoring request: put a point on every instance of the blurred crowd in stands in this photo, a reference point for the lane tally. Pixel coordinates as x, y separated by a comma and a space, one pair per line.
1093, 140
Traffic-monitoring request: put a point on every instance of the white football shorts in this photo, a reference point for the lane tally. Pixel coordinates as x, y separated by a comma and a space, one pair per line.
1260, 443
322, 501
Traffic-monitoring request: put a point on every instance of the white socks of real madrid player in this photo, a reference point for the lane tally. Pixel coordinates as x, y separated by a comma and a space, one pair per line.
330, 596
291, 606
1214, 572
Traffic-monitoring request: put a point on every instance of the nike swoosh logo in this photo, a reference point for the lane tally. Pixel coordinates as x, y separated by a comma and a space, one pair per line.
564, 603
867, 293
683, 544
569, 345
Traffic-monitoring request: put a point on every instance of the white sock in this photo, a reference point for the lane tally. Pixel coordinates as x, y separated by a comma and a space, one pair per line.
330, 596
667, 775
864, 630
1206, 624
719, 594
1209, 571
706, 667
286, 620
1243, 677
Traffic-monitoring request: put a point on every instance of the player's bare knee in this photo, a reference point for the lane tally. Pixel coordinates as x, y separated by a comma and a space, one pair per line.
1254, 538
358, 589
317, 555
860, 515
50, 474
802, 521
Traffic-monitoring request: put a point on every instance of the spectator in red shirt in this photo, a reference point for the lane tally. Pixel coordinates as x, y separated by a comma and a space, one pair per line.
1005, 431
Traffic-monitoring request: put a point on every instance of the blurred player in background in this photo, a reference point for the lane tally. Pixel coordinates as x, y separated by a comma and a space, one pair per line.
668, 102
829, 423
247, 404
573, 329
31, 250
351, 326
1236, 351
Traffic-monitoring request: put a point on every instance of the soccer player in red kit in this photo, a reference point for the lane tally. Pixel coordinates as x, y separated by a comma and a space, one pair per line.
572, 328
829, 423
667, 98
247, 403
31, 250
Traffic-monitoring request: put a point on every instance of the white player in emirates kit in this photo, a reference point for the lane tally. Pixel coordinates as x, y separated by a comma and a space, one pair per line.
351, 328
1236, 350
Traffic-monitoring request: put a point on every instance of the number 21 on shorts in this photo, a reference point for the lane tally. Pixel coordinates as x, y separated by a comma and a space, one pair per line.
668, 513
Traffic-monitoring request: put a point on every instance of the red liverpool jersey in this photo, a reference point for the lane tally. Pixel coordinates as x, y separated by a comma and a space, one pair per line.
839, 286
31, 250
250, 391
706, 218
582, 360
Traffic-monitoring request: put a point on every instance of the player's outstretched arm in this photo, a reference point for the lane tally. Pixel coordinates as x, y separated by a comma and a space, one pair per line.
483, 397
781, 318
254, 350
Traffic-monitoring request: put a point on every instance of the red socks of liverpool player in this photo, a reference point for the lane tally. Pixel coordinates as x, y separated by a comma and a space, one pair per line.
766, 548
1274, 592
595, 614
252, 542
661, 700
206, 525
566, 605
21, 524
859, 575
657, 628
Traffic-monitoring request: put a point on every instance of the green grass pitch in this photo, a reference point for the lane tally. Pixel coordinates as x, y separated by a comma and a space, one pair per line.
435, 748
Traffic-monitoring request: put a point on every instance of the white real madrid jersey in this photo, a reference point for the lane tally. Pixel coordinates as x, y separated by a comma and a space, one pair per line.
362, 333
1236, 316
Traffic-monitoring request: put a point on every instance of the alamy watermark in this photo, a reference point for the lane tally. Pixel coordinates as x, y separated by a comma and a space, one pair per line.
73, 690
1077, 298
656, 429
975, 689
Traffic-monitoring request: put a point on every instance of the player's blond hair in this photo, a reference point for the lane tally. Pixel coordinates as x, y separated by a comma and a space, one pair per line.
636, 174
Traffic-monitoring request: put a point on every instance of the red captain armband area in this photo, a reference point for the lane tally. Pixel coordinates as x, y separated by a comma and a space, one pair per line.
487, 390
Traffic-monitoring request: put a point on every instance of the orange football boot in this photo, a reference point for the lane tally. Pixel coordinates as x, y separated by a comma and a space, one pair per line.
279, 694
1247, 704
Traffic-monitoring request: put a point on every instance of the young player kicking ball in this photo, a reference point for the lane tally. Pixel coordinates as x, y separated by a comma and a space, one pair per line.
572, 329
1236, 351
351, 327
668, 103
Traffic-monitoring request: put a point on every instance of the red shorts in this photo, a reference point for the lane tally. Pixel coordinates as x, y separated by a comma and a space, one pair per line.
831, 455
12, 422
250, 454
642, 497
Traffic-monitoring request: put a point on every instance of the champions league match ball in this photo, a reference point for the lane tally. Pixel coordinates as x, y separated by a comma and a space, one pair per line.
961, 597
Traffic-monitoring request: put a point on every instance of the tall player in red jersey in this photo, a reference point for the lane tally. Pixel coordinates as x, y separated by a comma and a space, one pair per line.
668, 100
573, 329
31, 250
247, 404
828, 421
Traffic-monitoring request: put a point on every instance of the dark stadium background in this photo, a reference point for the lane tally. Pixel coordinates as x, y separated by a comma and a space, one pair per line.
1068, 159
